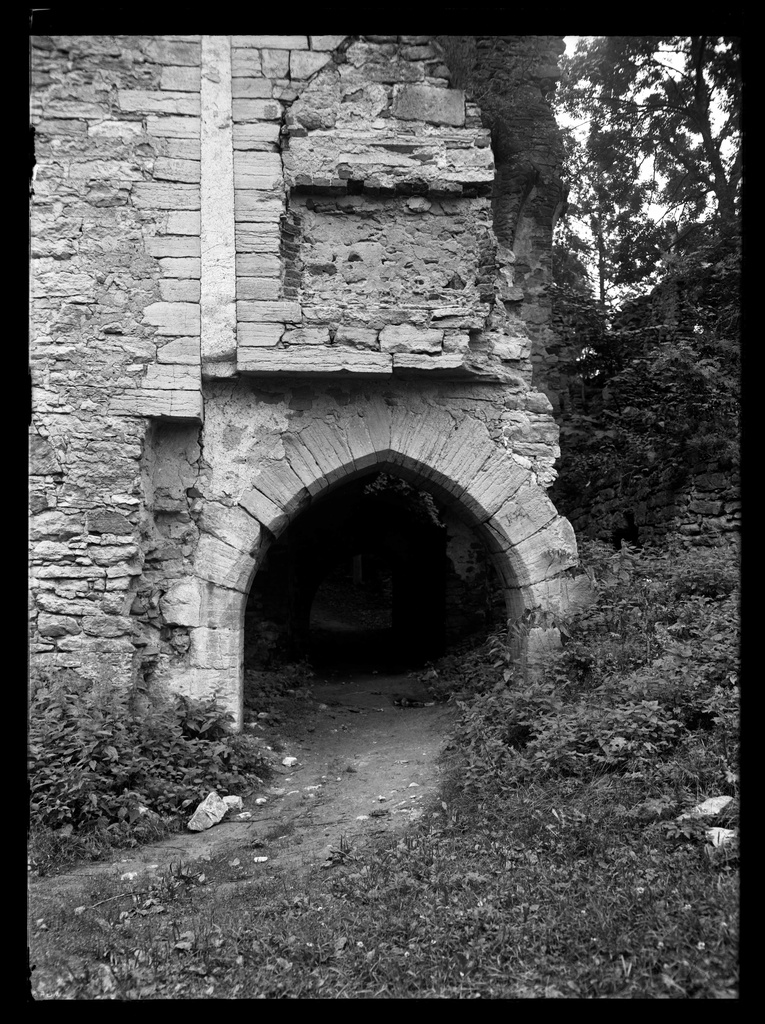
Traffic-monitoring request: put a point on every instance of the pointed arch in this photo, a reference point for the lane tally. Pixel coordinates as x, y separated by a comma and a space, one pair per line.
532, 547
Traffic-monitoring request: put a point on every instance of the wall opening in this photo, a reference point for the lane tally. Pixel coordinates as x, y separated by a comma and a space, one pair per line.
375, 575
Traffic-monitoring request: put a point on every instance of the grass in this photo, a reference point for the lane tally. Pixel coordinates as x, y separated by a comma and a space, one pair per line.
552, 865
553, 893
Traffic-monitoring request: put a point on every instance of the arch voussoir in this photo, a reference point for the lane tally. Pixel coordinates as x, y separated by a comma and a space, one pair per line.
419, 437
546, 553
497, 481
328, 449
467, 449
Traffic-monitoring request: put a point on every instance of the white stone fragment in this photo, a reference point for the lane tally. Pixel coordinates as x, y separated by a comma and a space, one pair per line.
708, 807
208, 813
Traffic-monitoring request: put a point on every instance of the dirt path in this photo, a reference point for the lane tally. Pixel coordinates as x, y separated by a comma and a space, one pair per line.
367, 768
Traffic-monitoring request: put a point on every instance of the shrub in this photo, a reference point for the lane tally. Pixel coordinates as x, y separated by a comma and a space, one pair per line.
649, 669
96, 763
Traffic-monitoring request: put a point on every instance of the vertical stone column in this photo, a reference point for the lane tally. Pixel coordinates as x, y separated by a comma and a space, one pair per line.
218, 294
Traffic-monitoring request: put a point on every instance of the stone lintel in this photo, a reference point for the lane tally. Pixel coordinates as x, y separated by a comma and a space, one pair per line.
315, 362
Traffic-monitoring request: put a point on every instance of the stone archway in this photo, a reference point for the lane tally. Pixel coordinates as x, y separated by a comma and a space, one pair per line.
532, 547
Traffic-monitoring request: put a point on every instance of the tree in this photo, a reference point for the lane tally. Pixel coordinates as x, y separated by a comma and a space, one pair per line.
659, 164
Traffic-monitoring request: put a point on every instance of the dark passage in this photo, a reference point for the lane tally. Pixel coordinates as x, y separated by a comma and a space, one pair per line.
358, 581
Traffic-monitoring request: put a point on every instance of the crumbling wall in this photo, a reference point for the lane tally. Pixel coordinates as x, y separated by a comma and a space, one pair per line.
700, 504
261, 263
114, 246
512, 79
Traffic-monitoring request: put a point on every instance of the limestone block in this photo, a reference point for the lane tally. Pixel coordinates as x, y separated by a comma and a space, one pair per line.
416, 438
57, 525
498, 479
405, 338
547, 552
115, 130
172, 289
222, 564
353, 428
412, 364
328, 448
43, 460
67, 572
563, 595
249, 182
111, 554
172, 127
180, 351
180, 605
512, 349
377, 416
303, 464
173, 318
173, 405
315, 362
278, 482
358, 337
175, 247
258, 288
246, 62
166, 169
145, 102
259, 205
469, 448
107, 521
429, 103
272, 42
152, 195
325, 42
256, 265
276, 64
107, 625
160, 50
524, 513
182, 223
231, 524
251, 88
258, 163
261, 238
66, 606
256, 110
260, 137
211, 810
172, 377
180, 79
257, 336
269, 312
306, 336
304, 63
264, 510
57, 625
187, 269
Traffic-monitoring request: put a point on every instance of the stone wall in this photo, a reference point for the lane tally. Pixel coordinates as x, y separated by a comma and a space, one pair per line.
264, 266
701, 505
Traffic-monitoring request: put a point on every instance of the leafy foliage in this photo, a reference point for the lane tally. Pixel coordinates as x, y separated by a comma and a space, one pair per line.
654, 660
95, 764
660, 120
658, 382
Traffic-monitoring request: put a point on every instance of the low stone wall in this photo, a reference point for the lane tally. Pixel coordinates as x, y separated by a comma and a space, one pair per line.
703, 508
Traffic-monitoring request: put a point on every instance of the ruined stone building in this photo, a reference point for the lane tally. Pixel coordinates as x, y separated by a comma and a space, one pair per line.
272, 278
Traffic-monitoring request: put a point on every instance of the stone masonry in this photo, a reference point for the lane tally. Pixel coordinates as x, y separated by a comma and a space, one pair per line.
264, 267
